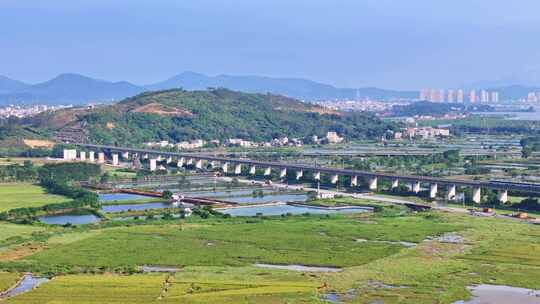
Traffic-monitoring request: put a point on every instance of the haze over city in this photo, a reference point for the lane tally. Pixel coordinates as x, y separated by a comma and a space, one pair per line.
403, 45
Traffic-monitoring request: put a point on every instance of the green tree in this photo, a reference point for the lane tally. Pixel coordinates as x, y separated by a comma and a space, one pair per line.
167, 194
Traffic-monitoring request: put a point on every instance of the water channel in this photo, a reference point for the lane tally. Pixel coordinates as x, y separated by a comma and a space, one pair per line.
287, 209
27, 283
501, 294
111, 197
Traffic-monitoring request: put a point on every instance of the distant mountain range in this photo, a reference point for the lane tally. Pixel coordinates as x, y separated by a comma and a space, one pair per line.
9, 85
65, 89
78, 89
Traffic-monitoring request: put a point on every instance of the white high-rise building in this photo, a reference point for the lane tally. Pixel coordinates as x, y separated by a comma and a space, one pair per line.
451, 96
424, 94
460, 96
494, 96
531, 97
484, 96
434, 95
472, 96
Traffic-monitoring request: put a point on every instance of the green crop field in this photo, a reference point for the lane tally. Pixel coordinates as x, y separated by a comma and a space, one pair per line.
19, 195
191, 285
321, 241
214, 258
95, 289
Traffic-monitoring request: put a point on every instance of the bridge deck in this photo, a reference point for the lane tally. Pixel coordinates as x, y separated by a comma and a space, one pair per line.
526, 187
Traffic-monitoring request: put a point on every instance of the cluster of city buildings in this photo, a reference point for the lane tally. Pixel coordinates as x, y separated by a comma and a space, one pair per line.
420, 133
25, 111
360, 105
330, 138
533, 97
459, 96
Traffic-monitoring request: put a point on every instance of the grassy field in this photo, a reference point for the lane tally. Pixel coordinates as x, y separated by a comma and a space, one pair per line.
215, 257
19, 195
344, 201
7, 280
8, 230
436, 272
320, 241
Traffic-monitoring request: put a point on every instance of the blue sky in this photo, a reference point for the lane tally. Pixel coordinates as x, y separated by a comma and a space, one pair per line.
386, 43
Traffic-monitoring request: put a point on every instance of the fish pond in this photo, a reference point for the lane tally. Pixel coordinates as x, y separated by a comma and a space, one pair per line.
280, 209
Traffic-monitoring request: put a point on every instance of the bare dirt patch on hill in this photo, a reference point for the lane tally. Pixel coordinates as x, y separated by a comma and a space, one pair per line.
37, 143
156, 108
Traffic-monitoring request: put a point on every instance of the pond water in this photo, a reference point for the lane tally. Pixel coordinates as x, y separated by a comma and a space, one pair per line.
512, 115
158, 269
73, 219
134, 207
218, 192
28, 283
284, 209
500, 294
268, 198
299, 268
108, 197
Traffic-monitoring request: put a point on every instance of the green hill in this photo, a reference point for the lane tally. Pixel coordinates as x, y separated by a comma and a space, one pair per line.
177, 115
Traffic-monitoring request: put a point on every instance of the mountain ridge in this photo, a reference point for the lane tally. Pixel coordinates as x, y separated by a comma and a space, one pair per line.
77, 89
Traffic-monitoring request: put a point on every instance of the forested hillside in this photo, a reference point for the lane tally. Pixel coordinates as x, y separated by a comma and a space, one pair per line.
177, 115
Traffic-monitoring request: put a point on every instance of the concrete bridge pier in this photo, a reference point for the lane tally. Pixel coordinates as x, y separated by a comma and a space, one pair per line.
199, 164
70, 154
354, 181
267, 171
283, 172
213, 164
477, 195
317, 176
190, 161
153, 164
115, 159
125, 155
169, 159
101, 158
433, 190
82, 156
145, 156
415, 186
502, 196
451, 192
252, 170
373, 183
334, 179
238, 169
225, 167
91, 156
299, 174
395, 183
159, 158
